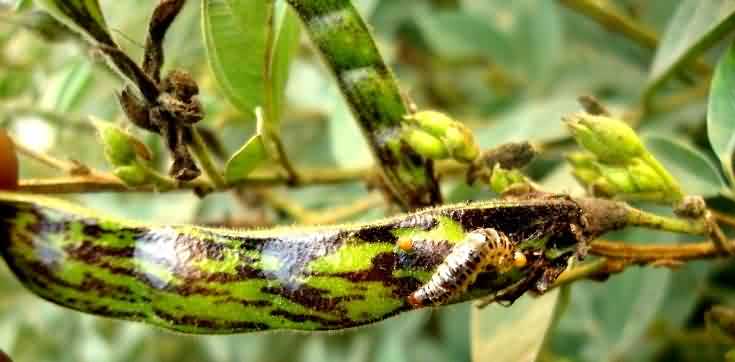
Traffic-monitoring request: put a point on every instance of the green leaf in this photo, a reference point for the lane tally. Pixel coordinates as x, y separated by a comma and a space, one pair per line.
287, 30
65, 89
502, 334
607, 321
458, 34
22, 5
535, 120
235, 33
247, 159
694, 171
695, 27
721, 112
83, 16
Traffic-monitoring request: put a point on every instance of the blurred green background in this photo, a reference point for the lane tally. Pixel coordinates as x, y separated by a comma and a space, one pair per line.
510, 70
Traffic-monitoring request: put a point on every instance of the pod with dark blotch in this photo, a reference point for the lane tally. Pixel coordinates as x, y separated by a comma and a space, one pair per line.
480, 249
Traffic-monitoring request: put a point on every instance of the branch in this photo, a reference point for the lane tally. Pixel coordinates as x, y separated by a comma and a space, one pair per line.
68, 167
105, 182
645, 254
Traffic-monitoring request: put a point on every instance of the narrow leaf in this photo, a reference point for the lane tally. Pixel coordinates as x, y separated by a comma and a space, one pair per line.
695, 27
247, 159
65, 89
287, 31
721, 112
235, 34
83, 16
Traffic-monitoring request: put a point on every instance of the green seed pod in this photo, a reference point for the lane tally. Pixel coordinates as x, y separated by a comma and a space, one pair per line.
501, 180
425, 144
119, 146
611, 140
132, 175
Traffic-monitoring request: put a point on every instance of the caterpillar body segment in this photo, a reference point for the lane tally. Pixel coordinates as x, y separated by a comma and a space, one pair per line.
481, 249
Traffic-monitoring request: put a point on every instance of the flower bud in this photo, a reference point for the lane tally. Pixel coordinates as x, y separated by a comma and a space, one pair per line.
501, 180
120, 147
645, 177
461, 143
584, 167
457, 138
618, 178
425, 144
433, 122
132, 175
611, 140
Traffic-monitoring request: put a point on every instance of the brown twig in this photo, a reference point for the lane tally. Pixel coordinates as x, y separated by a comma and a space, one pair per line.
105, 182
644, 254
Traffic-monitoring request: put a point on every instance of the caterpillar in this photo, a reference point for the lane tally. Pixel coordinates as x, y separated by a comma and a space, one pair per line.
480, 249
195, 279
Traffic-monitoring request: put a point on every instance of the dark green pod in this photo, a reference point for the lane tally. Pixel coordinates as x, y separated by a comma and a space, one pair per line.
201, 280
347, 46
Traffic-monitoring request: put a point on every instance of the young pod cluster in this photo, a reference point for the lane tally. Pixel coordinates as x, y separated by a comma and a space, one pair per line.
437, 136
616, 163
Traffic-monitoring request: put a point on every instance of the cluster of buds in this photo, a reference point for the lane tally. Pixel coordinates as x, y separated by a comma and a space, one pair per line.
616, 163
499, 166
436, 136
125, 153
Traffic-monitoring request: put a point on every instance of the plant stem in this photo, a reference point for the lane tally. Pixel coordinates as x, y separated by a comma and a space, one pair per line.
643, 254
636, 217
50, 161
271, 124
584, 271
105, 182
199, 148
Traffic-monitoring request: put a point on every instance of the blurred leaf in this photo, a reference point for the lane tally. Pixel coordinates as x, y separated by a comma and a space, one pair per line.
537, 37
66, 88
514, 334
22, 5
83, 16
694, 171
454, 322
235, 34
247, 159
458, 34
607, 321
535, 121
287, 31
721, 112
349, 147
695, 27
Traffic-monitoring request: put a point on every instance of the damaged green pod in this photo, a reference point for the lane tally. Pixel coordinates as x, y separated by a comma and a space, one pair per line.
201, 280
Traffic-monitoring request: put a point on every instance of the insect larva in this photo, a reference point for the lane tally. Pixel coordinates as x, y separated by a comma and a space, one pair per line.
480, 249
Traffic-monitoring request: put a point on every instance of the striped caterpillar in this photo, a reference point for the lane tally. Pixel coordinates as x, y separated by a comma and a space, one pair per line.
480, 249
202, 280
